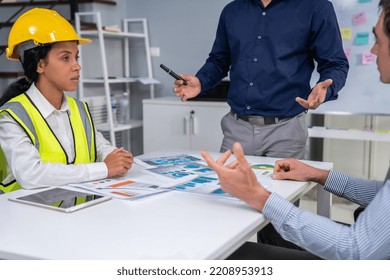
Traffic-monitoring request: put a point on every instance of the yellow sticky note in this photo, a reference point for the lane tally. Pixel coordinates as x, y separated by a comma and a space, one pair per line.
346, 33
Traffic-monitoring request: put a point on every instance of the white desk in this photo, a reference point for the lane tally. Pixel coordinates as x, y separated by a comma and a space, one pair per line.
171, 225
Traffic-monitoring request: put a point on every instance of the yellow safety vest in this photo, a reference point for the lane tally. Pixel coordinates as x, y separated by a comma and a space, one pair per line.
26, 114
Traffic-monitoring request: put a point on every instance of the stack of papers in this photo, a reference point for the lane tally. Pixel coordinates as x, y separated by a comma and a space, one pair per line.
155, 175
196, 176
121, 187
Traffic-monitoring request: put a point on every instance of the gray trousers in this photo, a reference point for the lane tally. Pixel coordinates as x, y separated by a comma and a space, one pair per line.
287, 138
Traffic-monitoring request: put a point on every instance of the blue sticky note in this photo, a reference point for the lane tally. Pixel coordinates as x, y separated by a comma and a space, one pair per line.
365, 1
362, 38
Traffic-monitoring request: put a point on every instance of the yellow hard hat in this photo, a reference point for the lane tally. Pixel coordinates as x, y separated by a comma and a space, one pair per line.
40, 26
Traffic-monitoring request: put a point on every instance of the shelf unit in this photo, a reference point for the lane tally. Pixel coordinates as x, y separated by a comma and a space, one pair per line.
349, 134
363, 137
8, 18
100, 104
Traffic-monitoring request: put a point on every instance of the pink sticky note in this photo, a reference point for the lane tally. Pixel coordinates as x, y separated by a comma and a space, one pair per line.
359, 19
348, 52
368, 58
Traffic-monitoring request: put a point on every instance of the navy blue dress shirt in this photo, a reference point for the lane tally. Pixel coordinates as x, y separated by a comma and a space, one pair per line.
270, 53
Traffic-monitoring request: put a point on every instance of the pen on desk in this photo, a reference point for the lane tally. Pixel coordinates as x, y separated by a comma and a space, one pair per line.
173, 74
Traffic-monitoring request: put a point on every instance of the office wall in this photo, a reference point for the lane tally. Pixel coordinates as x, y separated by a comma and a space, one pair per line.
184, 30
363, 92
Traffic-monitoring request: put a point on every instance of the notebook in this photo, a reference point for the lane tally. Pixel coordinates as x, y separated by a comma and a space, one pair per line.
61, 199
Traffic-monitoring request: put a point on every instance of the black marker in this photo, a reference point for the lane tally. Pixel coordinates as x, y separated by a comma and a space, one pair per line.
173, 74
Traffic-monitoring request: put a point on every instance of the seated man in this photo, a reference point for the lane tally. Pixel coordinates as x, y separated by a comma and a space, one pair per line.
368, 238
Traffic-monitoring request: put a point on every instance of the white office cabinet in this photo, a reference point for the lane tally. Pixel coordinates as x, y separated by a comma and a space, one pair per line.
117, 58
170, 123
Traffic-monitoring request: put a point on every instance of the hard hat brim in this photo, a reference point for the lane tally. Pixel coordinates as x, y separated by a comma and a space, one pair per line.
41, 26
83, 41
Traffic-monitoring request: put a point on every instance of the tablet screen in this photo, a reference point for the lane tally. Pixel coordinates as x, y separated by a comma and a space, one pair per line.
61, 199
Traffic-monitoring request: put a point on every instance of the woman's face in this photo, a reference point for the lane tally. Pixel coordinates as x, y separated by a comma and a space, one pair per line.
60, 70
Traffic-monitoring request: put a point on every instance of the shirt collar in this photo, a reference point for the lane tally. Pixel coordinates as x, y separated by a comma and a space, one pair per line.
43, 105
261, 4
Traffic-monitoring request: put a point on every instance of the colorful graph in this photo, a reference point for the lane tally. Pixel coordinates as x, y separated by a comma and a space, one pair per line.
204, 185
263, 166
263, 169
197, 182
170, 160
181, 170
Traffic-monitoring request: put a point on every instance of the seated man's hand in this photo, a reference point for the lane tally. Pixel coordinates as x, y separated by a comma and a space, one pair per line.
293, 169
238, 178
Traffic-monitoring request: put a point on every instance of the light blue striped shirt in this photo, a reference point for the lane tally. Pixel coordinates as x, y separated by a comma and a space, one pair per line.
368, 238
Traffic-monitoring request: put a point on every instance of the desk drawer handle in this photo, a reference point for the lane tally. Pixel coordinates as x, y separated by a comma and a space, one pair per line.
194, 125
186, 125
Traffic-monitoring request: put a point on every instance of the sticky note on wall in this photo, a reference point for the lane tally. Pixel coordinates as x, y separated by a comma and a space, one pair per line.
368, 58
346, 33
359, 19
362, 38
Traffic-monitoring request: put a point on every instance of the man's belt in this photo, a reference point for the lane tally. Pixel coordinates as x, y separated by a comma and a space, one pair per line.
259, 120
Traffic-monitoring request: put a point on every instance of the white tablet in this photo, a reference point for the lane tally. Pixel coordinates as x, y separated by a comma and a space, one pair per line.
61, 199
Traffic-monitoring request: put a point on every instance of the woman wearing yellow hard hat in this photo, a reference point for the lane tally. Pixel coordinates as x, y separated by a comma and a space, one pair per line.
46, 137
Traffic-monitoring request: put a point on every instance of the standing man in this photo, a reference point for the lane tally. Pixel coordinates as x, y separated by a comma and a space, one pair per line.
269, 47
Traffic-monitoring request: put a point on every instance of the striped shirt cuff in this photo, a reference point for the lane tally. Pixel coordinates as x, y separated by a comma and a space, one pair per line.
336, 182
277, 209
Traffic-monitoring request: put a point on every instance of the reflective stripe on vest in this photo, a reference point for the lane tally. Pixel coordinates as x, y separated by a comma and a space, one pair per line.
25, 113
